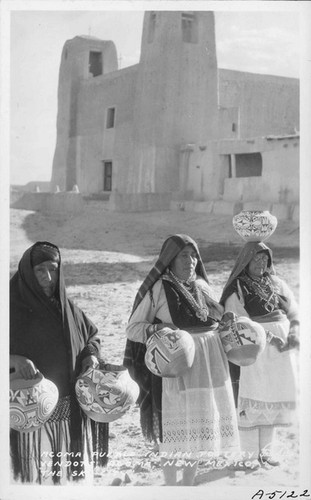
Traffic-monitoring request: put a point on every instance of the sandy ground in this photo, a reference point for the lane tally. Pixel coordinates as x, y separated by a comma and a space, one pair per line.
106, 256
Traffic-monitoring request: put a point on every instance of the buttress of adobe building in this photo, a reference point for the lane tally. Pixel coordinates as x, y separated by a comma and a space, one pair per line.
174, 128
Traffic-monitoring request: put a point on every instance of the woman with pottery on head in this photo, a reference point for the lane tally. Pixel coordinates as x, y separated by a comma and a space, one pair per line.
192, 414
267, 388
49, 335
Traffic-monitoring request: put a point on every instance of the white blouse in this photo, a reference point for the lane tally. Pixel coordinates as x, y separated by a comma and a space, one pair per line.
155, 307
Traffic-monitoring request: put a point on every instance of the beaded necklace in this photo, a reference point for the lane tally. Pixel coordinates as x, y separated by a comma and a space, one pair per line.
264, 289
192, 293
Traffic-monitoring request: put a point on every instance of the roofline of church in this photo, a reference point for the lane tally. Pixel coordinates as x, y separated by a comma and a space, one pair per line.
263, 76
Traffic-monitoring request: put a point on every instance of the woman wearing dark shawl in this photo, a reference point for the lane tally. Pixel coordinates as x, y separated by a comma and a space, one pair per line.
191, 415
49, 334
267, 389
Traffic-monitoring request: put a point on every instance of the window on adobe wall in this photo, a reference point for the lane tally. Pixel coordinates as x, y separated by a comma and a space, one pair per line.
152, 26
110, 117
248, 165
95, 63
189, 26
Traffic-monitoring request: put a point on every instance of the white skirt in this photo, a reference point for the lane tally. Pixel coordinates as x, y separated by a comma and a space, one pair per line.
198, 413
267, 390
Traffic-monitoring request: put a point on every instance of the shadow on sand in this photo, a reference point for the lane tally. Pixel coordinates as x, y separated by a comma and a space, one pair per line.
141, 235
212, 475
216, 474
99, 273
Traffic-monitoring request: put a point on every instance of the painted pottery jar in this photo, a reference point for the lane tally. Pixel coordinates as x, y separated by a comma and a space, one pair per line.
254, 225
243, 340
32, 402
170, 353
107, 392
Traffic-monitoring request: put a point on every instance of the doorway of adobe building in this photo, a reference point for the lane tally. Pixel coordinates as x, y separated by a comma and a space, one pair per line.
107, 175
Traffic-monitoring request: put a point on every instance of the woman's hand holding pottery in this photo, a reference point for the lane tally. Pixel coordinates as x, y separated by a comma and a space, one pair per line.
23, 366
166, 325
293, 336
278, 343
159, 326
89, 362
292, 340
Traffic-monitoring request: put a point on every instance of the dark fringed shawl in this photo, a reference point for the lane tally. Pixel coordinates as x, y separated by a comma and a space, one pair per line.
56, 339
151, 385
73, 431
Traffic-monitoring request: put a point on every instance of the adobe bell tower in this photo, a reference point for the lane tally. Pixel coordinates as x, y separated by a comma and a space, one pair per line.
176, 96
83, 59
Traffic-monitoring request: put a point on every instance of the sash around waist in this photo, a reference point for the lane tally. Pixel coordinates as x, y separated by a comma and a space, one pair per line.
277, 315
201, 329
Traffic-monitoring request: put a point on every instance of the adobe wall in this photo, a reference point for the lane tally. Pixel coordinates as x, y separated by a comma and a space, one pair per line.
139, 202
208, 176
95, 141
62, 203
267, 104
279, 181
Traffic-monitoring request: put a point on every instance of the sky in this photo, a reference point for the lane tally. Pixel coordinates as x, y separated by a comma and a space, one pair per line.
259, 41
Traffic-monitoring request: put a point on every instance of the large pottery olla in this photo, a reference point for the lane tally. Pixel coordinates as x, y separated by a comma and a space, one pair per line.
32, 402
170, 353
254, 225
106, 393
243, 340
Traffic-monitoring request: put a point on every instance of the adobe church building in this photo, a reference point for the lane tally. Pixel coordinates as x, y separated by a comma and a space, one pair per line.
174, 131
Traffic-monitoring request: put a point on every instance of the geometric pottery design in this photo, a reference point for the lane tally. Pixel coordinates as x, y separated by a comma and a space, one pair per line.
243, 340
254, 225
31, 403
106, 393
169, 352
